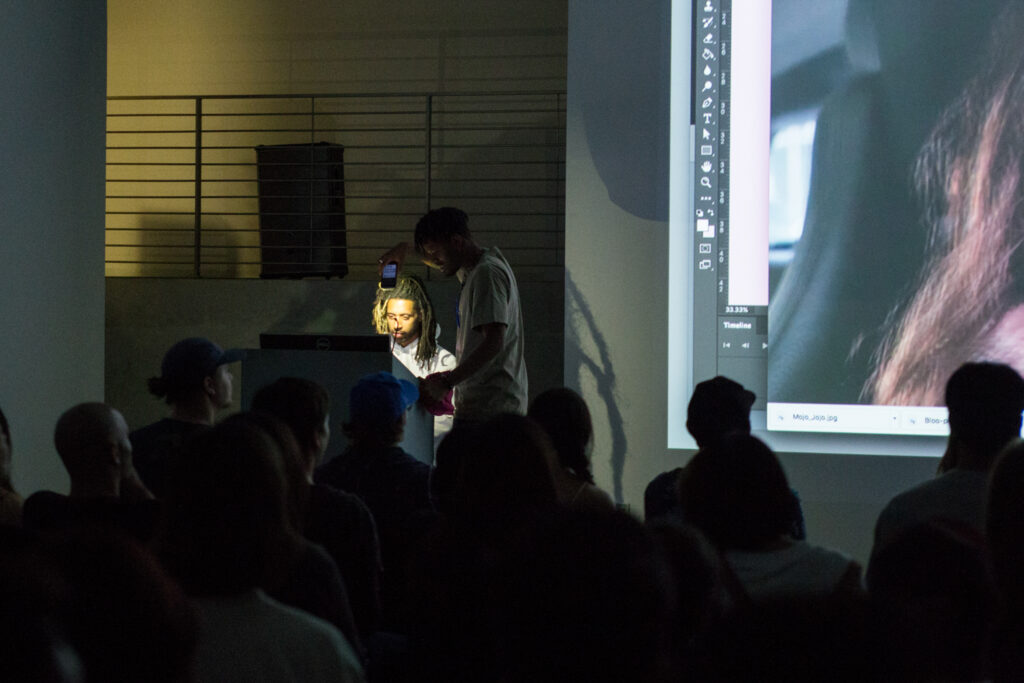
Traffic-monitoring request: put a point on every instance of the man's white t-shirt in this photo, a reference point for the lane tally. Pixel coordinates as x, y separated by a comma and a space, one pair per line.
490, 294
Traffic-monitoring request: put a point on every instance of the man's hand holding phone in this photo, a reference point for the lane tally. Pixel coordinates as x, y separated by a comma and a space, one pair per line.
395, 255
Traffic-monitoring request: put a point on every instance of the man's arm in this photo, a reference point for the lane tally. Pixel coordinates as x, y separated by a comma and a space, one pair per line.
494, 339
396, 253
437, 385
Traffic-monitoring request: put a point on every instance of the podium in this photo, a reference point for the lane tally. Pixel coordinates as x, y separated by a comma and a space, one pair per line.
336, 362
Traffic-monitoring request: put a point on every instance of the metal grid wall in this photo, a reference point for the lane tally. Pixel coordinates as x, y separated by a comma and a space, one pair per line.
182, 198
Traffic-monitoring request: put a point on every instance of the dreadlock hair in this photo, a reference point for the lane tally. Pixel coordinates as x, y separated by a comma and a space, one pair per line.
411, 288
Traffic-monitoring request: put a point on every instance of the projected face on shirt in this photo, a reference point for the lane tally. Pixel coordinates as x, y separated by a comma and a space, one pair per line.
403, 321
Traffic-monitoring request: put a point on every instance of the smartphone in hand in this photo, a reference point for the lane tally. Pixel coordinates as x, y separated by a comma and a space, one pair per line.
389, 275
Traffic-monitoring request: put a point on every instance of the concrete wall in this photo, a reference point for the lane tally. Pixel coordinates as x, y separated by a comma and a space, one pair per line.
51, 225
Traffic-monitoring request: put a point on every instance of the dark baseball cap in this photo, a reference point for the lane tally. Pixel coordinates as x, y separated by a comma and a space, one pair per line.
190, 360
380, 397
718, 405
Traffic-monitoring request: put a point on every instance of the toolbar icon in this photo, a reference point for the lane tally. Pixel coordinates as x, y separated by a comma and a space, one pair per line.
706, 150
708, 55
705, 247
707, 21
709, 39
705, 264
708, 7
705, 228
705, 134
707, 166
705, 182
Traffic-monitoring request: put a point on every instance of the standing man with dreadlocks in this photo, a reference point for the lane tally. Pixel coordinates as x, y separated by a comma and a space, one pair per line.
406, 314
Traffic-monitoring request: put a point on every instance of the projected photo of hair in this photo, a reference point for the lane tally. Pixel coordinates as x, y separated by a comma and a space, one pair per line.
906, 263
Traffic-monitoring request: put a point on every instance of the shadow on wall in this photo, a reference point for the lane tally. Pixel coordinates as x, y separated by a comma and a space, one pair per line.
625, 102
164, 246
582, 327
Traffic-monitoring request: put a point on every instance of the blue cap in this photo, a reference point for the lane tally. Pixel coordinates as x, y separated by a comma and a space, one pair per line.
380, 397
190, 360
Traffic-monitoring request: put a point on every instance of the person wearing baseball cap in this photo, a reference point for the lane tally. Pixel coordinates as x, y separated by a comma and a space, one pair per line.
195, 382
718, 406
392, 483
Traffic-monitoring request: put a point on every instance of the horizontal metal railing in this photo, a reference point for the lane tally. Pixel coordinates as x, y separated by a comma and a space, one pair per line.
184, 194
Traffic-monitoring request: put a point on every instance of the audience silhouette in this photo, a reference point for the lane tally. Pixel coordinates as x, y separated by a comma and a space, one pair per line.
504, 561
563, 415
736, 492
92, 442
337, 520
985, 401
1004, 526
496, 480
391, 482
227, 537
309, 580
934, 603
196, 384
719, 406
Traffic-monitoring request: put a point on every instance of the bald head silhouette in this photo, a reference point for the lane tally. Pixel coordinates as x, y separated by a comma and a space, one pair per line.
92, 442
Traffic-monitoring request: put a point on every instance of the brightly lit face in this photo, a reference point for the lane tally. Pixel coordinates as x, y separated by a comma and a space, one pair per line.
403, 321
445, 256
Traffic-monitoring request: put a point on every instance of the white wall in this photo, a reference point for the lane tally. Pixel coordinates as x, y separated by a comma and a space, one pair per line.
51, 251
616, 277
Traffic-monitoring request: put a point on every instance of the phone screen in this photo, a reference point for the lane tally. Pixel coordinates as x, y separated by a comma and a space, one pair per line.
389, 275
